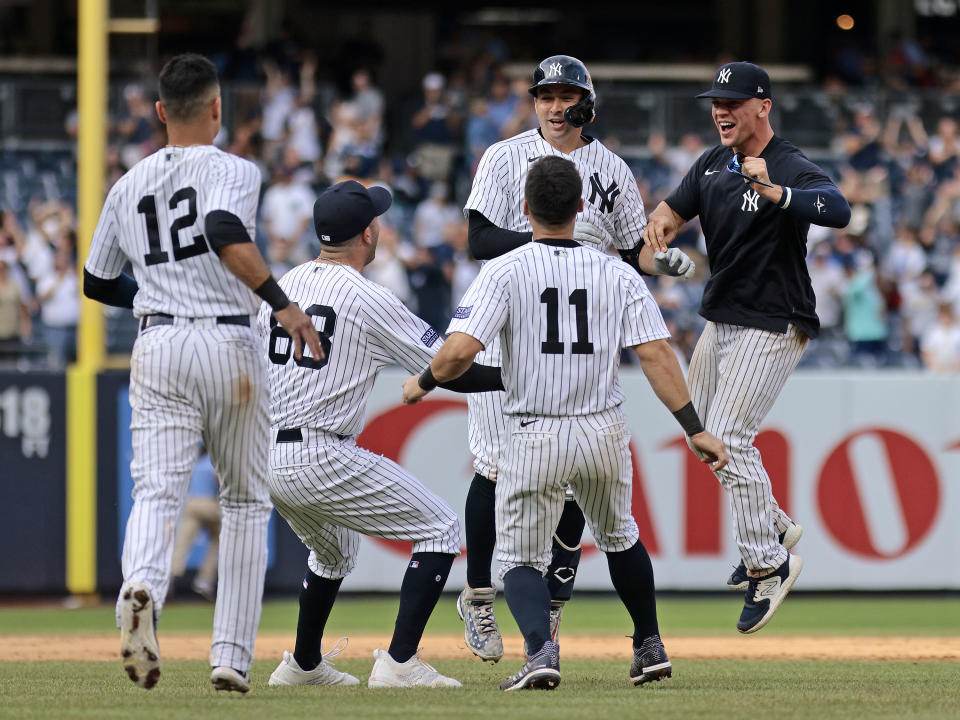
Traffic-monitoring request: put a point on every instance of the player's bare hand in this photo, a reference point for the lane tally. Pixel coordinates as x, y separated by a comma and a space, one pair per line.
757, 168
674, 262
659, 233
301, 330
412, 392
710, 450
589, 234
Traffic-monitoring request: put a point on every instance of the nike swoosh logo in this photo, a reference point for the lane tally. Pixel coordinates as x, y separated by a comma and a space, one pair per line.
710, 172
528, 422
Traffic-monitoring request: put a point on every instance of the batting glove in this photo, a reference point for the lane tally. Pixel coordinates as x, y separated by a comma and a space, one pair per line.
674, 262
589, 234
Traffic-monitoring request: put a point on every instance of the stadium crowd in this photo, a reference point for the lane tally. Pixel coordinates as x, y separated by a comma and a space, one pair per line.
887, 286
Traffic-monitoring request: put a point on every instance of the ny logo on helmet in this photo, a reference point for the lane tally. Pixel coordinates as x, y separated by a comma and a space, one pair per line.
556, 69
724, 75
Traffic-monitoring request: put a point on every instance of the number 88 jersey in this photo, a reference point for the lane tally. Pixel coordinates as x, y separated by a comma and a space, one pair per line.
154, 215
363, 328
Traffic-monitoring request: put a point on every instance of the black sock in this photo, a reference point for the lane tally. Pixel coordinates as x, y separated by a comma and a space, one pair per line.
421, 587
529, 601
632, 576
480, 530
564, 560
316, 602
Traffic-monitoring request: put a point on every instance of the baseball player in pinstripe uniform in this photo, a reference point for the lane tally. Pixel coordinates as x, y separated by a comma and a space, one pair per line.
612, 213
756, 195
183, 217
563, 312
328, 489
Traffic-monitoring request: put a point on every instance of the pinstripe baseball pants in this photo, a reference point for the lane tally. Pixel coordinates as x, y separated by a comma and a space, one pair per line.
591, 454
194, 381
329, 491
735, 375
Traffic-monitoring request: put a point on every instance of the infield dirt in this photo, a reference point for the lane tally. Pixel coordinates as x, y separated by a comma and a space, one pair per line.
197, 647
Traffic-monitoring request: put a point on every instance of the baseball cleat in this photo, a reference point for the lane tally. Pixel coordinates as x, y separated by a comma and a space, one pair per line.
650, 662
138, 636
739, 579
227, 679
480, 629
765, 594
288, 672
387, 673
541, 671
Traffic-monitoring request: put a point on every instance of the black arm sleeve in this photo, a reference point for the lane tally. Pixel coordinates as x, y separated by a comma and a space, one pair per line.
488, 241
824, 205
477, 378
224, 228
118, 291
632, 257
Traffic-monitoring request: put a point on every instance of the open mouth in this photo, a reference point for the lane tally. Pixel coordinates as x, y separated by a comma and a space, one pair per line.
726, 127
556, 123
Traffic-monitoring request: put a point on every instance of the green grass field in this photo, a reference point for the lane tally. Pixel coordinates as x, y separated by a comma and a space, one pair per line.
590, 688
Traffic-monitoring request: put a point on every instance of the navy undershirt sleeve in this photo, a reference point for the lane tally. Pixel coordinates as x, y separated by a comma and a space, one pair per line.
823, 205
488, 241
118, 291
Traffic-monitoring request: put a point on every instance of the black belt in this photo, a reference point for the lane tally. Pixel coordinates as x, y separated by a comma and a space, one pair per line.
296, 435
163, 319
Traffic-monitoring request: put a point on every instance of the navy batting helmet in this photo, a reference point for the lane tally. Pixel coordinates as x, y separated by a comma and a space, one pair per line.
566, 70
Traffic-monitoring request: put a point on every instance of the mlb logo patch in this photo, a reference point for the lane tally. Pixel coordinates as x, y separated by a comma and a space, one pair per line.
462, 313
414, 563
430, 337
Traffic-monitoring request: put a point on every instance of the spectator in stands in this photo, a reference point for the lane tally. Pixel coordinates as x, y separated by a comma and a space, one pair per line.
435, 130
302, 132
135, 127
828, 282
59, 299
524, 116
367, 101
287, 212
905, 259
920, 303
14, 315
864, 312
279, 100
388, 267
945, 148
940, 345
432, 215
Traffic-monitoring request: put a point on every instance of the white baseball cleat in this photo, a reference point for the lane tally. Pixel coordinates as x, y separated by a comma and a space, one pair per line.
387, 672
138, 636
288, 672
228, 679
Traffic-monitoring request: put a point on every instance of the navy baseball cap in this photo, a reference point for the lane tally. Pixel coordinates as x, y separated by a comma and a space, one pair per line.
344, 210
739, 81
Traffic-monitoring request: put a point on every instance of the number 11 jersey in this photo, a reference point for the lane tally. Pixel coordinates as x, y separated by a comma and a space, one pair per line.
154, 215
562, 312
363, 328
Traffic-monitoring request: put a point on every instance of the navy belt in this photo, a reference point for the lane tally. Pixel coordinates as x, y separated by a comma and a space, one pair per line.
163, 319
296, 435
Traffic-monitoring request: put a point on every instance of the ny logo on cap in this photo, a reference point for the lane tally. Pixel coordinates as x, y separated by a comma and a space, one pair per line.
556, 69
724, 75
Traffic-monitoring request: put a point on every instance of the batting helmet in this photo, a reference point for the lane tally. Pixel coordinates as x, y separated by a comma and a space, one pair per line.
566, 70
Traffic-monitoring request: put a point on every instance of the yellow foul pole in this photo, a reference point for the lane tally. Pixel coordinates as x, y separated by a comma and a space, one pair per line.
92, 63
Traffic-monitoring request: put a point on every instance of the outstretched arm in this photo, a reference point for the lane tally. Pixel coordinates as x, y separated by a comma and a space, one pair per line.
666, 378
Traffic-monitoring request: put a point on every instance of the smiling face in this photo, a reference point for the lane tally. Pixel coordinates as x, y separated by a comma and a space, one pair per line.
738, 121
550, 103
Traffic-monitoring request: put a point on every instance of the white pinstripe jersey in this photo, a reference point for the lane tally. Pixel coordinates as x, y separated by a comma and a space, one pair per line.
611, 199
363, 328
153, 216
562, 314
